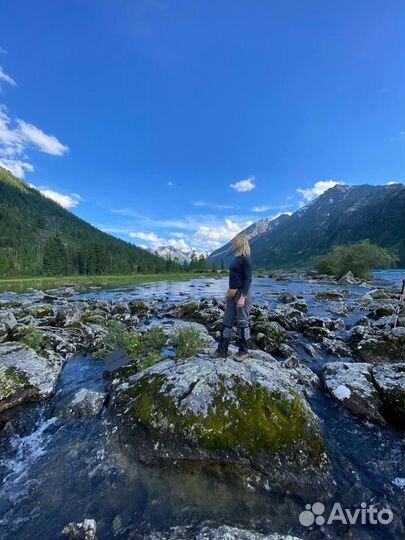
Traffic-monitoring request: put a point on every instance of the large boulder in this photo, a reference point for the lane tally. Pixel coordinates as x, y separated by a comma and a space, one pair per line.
250, 417
352, 386
390, 382
25, 376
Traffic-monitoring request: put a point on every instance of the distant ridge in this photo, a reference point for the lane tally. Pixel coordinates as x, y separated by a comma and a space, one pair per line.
39, 237
341, 215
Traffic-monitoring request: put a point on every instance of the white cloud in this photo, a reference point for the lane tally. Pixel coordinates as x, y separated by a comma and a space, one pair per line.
216, 206
317, 189
6, 78
48, 144
17, 136
17, 167
209, 237
244, 185
66, 201
393, 183
147, 237
258, 209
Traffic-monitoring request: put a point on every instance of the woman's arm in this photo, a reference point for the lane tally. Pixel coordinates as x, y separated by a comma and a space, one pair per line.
247, 280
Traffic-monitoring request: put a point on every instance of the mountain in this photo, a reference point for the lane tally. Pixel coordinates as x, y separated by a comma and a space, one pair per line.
341, 215
39, 237
175, 254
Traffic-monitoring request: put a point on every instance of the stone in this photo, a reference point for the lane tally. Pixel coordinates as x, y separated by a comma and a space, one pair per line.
25, 376
348, 279
351, 384
86, 403
85, 530
250, 416
390, 382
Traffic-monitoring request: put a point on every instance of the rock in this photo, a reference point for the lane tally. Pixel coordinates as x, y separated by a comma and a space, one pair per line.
339, 308
348, 279
325, 322
287, 297
249, 416
318, 333
7, 324
69, 314
269, 335
39, 312
85, 530
287, 316
139, 307
336, 347
378, 349
352, 386
25, 376
86, 403
390, 382
329, 296
224, 532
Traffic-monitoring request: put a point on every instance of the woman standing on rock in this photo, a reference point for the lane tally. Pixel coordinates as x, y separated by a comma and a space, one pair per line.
237, 306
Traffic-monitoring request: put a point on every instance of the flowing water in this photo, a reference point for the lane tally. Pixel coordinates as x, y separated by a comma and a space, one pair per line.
55, 469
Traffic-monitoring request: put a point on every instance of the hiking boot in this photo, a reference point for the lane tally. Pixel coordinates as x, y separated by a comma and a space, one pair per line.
243, 352
222, 349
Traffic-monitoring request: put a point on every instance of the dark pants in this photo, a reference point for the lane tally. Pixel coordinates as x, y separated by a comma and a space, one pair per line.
235, 316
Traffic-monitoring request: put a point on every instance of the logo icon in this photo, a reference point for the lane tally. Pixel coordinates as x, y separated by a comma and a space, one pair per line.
313, 514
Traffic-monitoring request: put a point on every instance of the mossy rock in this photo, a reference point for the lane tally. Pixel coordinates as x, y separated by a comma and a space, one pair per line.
379, 350
42, 311
138, 307
206, 410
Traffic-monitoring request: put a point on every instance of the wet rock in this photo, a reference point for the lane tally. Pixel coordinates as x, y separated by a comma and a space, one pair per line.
287, 316
7, 324
329, 296
287, 297
86, 530
269, 335
348, 279
85, 403
390, 382
224, 532
380, 349
25, 376
339, 308
318, 333
247, 416
139, 307
337, 347
312, 350
352, 385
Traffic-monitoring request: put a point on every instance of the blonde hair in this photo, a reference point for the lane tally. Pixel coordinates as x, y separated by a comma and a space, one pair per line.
241, 245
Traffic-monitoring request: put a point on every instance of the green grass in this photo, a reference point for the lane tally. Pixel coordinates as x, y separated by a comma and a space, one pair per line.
188, 342
22, 284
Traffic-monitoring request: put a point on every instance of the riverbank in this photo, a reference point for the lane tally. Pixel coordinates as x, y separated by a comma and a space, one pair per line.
24, 283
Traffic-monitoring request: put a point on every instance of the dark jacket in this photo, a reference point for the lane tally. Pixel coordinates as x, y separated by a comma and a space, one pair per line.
240, 274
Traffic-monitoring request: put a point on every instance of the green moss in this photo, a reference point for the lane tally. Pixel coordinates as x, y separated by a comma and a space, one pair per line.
246, 419
11, 380
43, 311
33, 338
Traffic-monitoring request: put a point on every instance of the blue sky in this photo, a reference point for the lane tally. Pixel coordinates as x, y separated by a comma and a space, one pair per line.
183, 121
